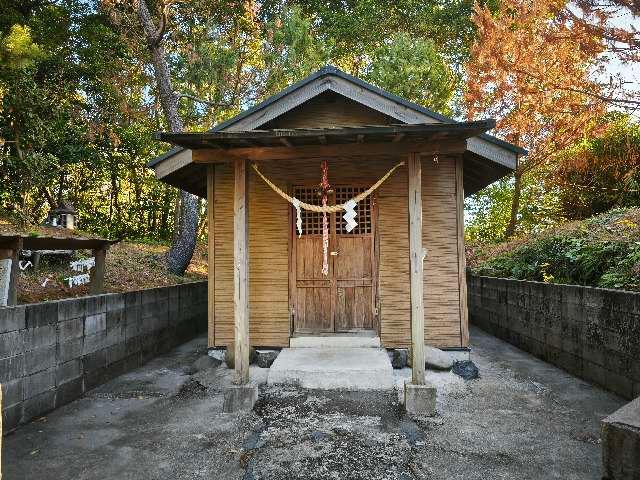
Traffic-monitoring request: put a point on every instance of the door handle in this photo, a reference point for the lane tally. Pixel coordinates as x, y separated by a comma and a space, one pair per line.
334, 254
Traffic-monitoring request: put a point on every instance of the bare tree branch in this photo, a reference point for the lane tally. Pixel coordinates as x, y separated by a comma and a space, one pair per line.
202, 100
604, 98
162, 24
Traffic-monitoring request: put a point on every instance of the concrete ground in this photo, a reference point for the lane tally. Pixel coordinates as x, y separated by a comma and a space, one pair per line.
522, 419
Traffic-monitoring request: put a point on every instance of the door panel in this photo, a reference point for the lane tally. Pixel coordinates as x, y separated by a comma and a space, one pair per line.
353, 266
353, 276
313, 290
353, 309
344, 299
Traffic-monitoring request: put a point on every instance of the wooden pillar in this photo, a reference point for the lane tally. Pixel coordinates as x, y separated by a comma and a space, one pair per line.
97, 272
211, 255
241, 270
416, 257
15, 270
36, 257
462, 264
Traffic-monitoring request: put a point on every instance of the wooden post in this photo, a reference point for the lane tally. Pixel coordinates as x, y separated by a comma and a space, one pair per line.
15, 270
416, 257
241, 271
97, 272
36, 257
462, 264
211, 255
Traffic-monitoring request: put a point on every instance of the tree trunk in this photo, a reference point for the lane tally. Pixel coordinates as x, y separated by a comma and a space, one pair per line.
181, 251
515, 204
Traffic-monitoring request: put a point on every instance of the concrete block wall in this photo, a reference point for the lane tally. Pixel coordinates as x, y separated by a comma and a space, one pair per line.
53, 352
592, 333
621, 443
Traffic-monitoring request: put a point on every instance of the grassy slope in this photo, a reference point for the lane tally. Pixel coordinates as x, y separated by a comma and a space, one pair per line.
130, 266
603, 251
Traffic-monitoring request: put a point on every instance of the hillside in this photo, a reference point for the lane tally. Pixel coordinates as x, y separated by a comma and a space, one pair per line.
602, 251
129, 266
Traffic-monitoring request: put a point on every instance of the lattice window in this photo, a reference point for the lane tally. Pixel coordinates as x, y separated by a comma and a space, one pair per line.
363, 209
311, 221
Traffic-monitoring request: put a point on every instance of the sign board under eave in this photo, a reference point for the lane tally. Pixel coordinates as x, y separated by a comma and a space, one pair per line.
5, 279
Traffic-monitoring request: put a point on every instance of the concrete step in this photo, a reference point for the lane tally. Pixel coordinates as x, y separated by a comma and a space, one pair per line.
335, 341
333, 368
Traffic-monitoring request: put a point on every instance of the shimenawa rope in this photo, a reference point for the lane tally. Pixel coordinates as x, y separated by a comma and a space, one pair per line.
331, 208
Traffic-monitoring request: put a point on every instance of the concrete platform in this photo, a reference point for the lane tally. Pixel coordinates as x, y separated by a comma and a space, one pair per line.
335, 341
333, 368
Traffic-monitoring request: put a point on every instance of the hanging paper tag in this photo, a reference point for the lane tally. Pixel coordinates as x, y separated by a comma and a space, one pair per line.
78, 280
350, 215
296, 205
81, 265
24, 265
5, 279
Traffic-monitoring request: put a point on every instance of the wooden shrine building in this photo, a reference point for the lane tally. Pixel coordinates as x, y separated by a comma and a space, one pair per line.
265, 277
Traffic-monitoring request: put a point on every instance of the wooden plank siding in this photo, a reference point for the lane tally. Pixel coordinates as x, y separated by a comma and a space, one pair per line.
269, 243
440, 238
268, 262
329, 110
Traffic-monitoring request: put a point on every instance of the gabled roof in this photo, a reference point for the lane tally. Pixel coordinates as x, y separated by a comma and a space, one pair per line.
330, 71
486, 158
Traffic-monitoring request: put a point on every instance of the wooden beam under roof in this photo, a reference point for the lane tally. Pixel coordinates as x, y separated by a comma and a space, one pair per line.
337, 135
334, 150
56, 243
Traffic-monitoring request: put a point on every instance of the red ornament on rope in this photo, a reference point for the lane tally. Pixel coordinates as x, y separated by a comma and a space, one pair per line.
325, 186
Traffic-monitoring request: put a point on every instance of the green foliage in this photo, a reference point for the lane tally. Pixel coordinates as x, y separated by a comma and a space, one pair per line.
595, 175
293, 50
603, 251
413, 69
78, 105
488, 211
17, 49
71, 128
356, 28
601, 172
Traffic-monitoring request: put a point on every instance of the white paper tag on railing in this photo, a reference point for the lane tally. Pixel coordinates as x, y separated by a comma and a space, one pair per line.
85, 263
5, 279
350, 215
78, 280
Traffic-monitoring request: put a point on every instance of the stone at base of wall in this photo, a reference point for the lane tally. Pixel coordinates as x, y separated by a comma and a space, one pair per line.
420, 400
621, 443
240, 398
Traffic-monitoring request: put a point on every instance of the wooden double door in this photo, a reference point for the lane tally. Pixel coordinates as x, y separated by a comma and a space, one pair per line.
344, 300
